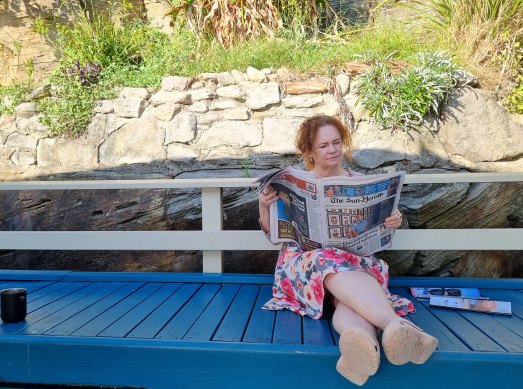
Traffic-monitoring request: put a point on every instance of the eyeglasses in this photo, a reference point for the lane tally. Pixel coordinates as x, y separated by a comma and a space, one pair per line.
445, 292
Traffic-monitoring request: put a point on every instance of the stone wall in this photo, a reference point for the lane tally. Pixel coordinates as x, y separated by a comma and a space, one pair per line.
238, 124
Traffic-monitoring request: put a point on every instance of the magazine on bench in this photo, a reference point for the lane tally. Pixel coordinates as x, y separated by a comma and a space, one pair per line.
345, 212
476, 305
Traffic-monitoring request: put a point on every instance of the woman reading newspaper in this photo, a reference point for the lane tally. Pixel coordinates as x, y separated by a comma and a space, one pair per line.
356, 285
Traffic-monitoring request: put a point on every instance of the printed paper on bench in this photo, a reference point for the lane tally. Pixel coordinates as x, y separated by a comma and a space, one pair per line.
476, 305
345, 212
423, 293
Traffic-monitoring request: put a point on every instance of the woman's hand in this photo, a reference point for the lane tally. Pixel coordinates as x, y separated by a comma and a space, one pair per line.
394, 220
267, 197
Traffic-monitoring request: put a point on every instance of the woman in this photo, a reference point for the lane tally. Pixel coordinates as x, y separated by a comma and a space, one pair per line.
358, 285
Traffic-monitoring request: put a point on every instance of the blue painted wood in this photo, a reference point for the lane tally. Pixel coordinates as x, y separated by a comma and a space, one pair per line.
109, 316
261, 325
119, 357
109, 295
317, 332
474, 338
234, 323
125, 324
185, 318
287, 328
206, 325
208, 278
448, 282
153, 324
77, 302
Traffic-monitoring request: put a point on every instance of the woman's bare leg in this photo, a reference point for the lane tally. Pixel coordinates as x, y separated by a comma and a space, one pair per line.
358, 345
402, 341
362, 293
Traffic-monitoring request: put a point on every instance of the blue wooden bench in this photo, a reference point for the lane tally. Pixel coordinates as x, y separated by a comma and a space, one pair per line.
186, 330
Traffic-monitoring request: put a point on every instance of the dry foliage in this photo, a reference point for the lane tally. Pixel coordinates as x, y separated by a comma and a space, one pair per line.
229, 21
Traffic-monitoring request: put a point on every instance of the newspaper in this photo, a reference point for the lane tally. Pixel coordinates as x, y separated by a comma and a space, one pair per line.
341, 211
487, 306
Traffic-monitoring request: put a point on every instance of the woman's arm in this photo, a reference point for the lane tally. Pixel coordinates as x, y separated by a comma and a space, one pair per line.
267, 197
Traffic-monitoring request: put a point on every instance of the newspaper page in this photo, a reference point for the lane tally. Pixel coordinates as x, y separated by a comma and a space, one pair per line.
344, 212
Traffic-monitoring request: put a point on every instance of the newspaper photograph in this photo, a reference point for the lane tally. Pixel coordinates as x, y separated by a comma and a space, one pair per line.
344, 212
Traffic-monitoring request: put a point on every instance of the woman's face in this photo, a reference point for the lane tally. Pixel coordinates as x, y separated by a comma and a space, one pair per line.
328, 148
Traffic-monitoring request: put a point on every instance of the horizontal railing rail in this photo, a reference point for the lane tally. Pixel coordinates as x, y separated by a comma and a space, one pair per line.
213, 240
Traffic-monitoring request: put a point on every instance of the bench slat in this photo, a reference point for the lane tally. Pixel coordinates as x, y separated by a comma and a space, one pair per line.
235, 321
468, 333
153, 324
287, 328
102, 300
204, 328
125, 324
185, 318
261, 325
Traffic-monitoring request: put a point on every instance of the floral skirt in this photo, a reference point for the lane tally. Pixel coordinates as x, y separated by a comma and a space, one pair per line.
298, 279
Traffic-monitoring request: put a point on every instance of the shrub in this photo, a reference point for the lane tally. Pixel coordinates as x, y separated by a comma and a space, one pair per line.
401, 101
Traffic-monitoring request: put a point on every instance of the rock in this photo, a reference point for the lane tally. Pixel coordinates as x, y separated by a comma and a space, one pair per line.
231, 92
138, 141
24, 158
140, 93
208, 77
202, 94
67, 154
181, 153
496, 139
22, 141
218, 105
104, 106
355, 68
199, 107
485, 205
303, 101
305, 87
164, 97
176, 83
343, 84
236, 114
39, 93
421, 203
131, 107
25, 110
263, 96
283, 75
254, 75
181, 129
165, 112
230, 133
225, 79
237, 75
279, 135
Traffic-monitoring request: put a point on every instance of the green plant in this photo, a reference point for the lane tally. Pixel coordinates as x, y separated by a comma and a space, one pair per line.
401, 101
69, 110
11, 96
514, 101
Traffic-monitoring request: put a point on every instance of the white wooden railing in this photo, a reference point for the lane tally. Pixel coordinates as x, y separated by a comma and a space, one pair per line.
212, 239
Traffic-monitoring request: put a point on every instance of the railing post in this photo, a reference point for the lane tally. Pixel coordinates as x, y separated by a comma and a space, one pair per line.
212, 219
